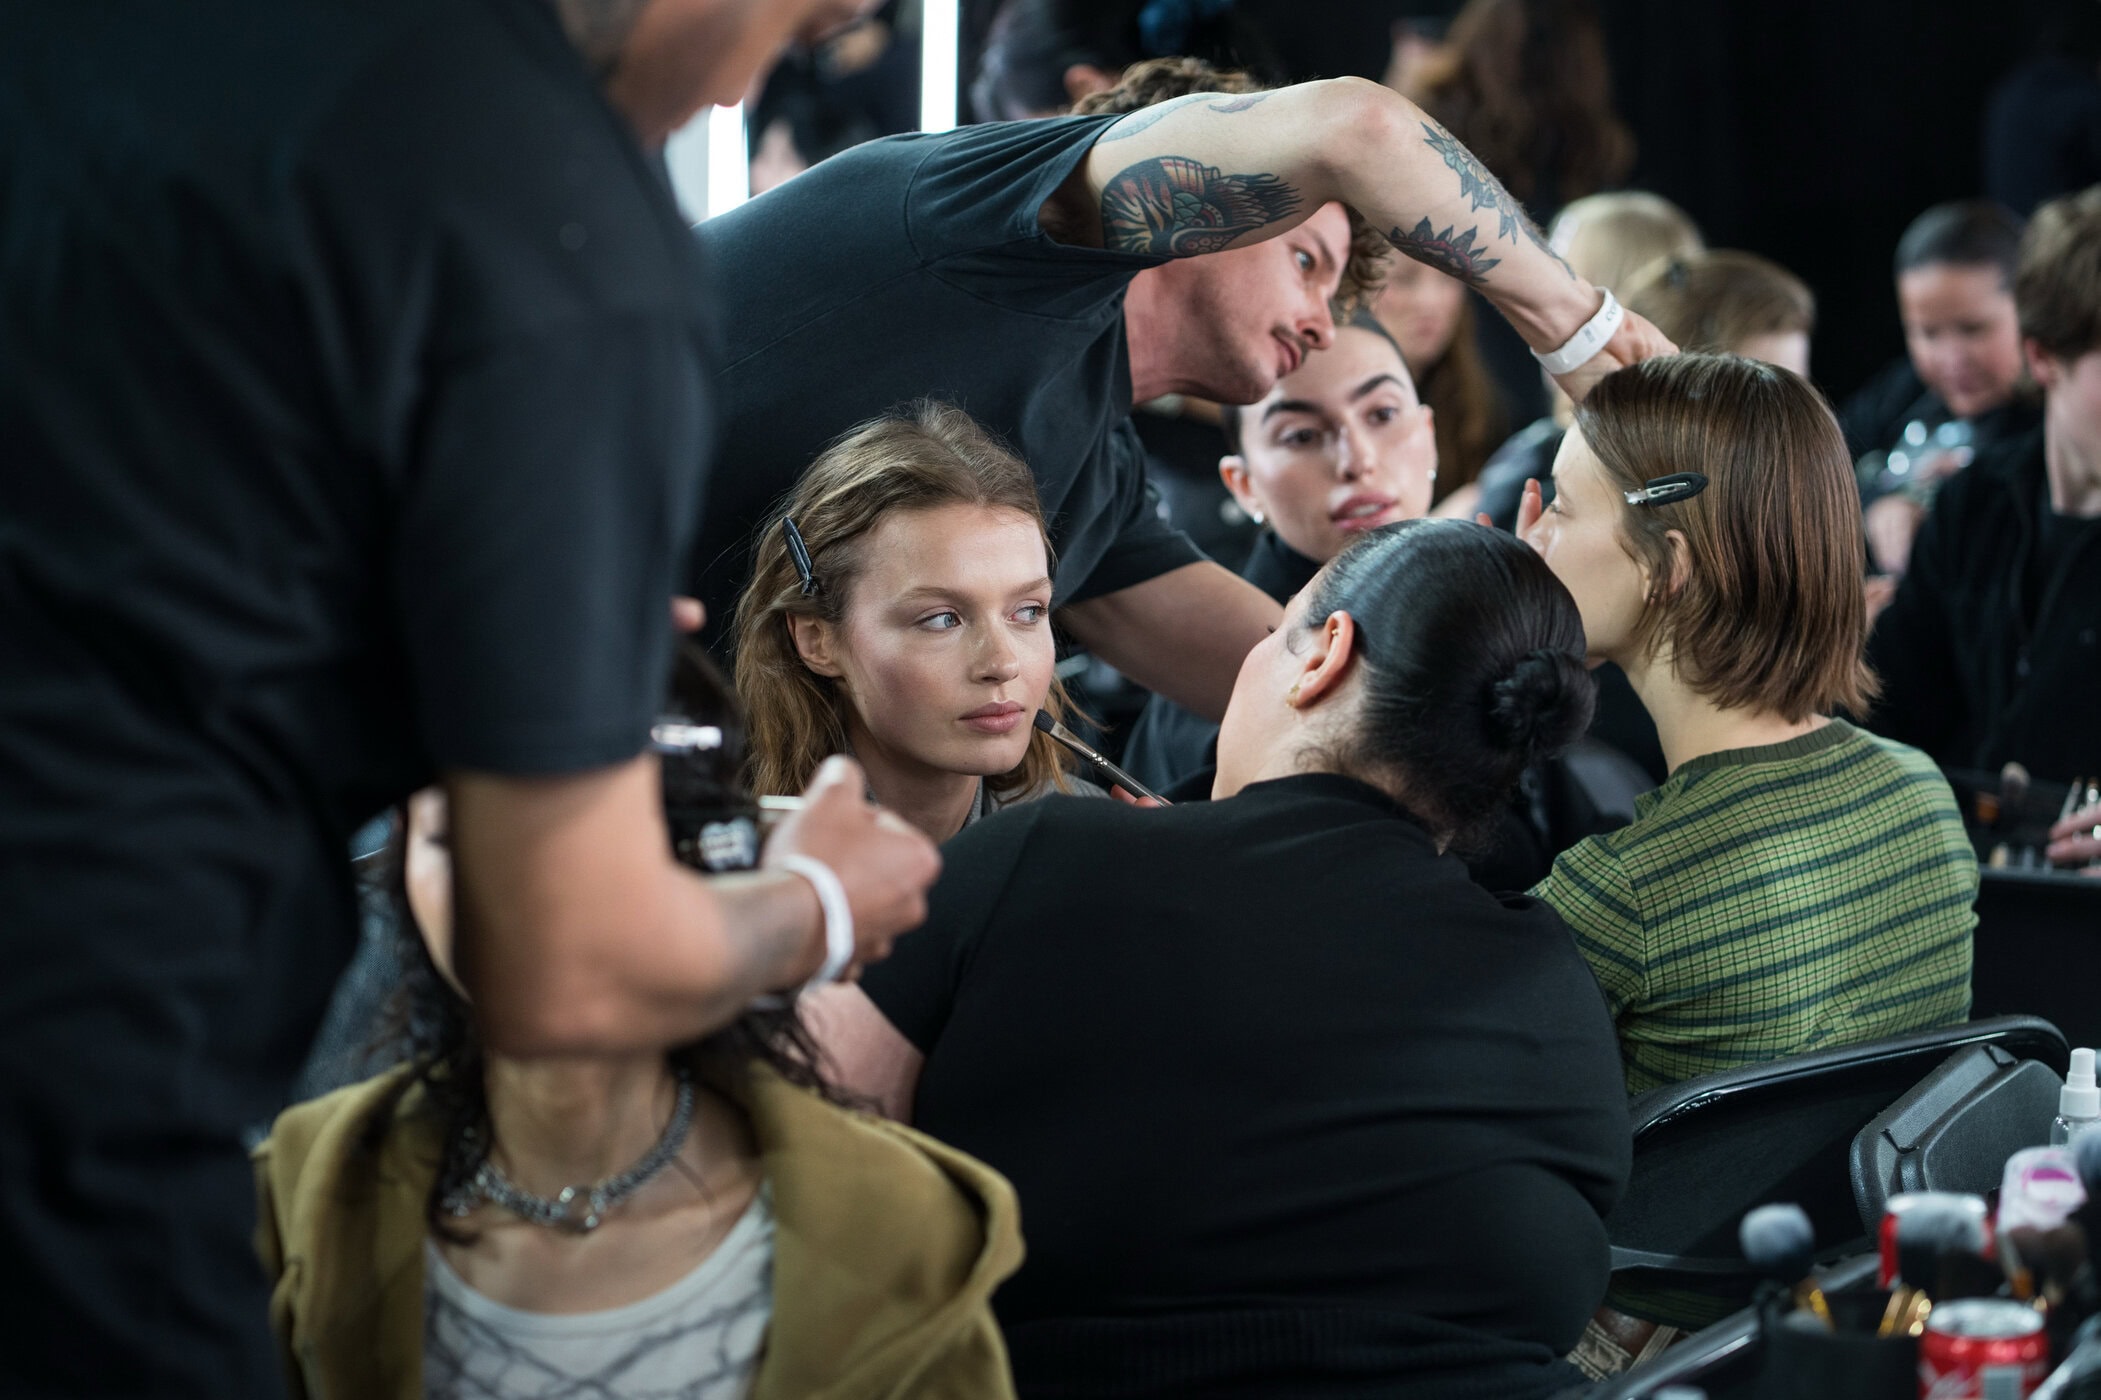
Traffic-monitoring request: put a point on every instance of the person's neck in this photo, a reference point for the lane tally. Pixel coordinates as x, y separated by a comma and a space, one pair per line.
574, 1122
932, 799
1690, 726
2073, 468
1150, 348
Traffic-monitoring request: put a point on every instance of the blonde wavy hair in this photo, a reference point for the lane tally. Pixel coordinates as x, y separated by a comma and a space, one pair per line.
921, 457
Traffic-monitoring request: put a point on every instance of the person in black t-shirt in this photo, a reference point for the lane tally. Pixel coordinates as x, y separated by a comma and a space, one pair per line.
1044, 275
1991, 651
1292, 1106
353, 376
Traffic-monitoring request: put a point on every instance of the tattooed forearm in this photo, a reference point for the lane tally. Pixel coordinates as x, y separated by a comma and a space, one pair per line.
1482, 190
1180, 207
1440, 249
1146, 117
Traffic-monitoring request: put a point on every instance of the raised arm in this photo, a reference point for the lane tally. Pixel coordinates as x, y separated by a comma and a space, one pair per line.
1213, 170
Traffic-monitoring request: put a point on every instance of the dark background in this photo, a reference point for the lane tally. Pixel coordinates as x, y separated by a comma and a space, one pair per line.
1809, 132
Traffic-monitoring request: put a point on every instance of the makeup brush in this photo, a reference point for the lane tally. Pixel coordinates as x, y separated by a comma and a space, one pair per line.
2055, 1258
1780, 1243
1102, 765
1935, 1244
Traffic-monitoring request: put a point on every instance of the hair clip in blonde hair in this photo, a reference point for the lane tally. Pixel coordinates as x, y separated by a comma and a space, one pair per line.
1668, 490
799, 554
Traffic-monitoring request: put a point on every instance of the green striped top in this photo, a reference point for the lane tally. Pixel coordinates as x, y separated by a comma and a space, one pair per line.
1773, 900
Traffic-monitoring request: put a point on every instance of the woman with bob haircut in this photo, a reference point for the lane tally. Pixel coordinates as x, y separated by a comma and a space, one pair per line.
1796, 882
899, 611
1291, 1104
708, 1221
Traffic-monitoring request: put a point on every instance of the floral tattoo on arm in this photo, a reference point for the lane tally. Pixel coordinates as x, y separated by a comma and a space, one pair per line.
1481, 190
1178, 207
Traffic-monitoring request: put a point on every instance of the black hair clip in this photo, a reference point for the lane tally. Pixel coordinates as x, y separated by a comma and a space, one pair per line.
1676, 273
799, 553
1668, 490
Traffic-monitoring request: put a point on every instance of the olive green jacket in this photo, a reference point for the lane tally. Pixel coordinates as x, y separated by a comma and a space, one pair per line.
887, 1247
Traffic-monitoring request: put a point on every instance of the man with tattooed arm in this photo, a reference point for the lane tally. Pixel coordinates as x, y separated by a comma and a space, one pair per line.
1046, 275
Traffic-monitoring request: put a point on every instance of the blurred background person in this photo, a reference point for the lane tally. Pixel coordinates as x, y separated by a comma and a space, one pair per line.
1960, 387
2042, 125
1431, 317
1042, 57
1526, 85
1990, 652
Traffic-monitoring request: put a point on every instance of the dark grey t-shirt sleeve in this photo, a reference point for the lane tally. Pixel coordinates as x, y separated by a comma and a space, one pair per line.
1146, 545
538, 534
916, 986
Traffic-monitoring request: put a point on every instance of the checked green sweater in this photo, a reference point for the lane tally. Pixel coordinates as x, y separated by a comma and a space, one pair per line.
1773, 900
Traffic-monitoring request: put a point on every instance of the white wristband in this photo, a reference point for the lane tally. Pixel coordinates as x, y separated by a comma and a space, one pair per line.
1589, 338
838, 916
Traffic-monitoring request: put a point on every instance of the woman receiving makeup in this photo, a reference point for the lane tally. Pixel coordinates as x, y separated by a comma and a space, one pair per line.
1340, 446
1292, 1105
899, 610
1796, 882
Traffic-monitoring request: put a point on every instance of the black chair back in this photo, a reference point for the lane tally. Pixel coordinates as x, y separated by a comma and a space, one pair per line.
1709, 1149
1955, 1129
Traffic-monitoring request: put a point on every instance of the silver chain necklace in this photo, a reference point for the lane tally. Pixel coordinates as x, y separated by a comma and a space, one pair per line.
577, 1208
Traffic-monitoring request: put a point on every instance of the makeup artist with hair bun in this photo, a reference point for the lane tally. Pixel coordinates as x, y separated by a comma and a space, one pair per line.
1292, 1105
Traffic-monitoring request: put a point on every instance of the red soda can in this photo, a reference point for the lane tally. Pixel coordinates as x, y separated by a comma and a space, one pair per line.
1886, 1275
1982, 1349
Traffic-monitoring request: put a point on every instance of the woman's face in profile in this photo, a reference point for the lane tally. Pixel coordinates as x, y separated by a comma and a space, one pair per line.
1339, 447
1420, 306
945, 650
1579, 537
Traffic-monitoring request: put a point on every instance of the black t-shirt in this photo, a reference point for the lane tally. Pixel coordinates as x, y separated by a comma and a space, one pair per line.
353, 379
1272, 1054
914, 267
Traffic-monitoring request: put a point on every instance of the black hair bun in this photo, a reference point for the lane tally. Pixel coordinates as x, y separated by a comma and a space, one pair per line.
1542, 705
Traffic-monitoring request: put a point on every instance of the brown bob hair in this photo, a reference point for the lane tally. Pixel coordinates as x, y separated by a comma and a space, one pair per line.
921, 457
1770, 613
1158, 80
2057, 287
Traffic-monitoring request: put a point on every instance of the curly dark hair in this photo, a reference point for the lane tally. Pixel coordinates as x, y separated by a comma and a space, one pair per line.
713, 825
1160, 80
